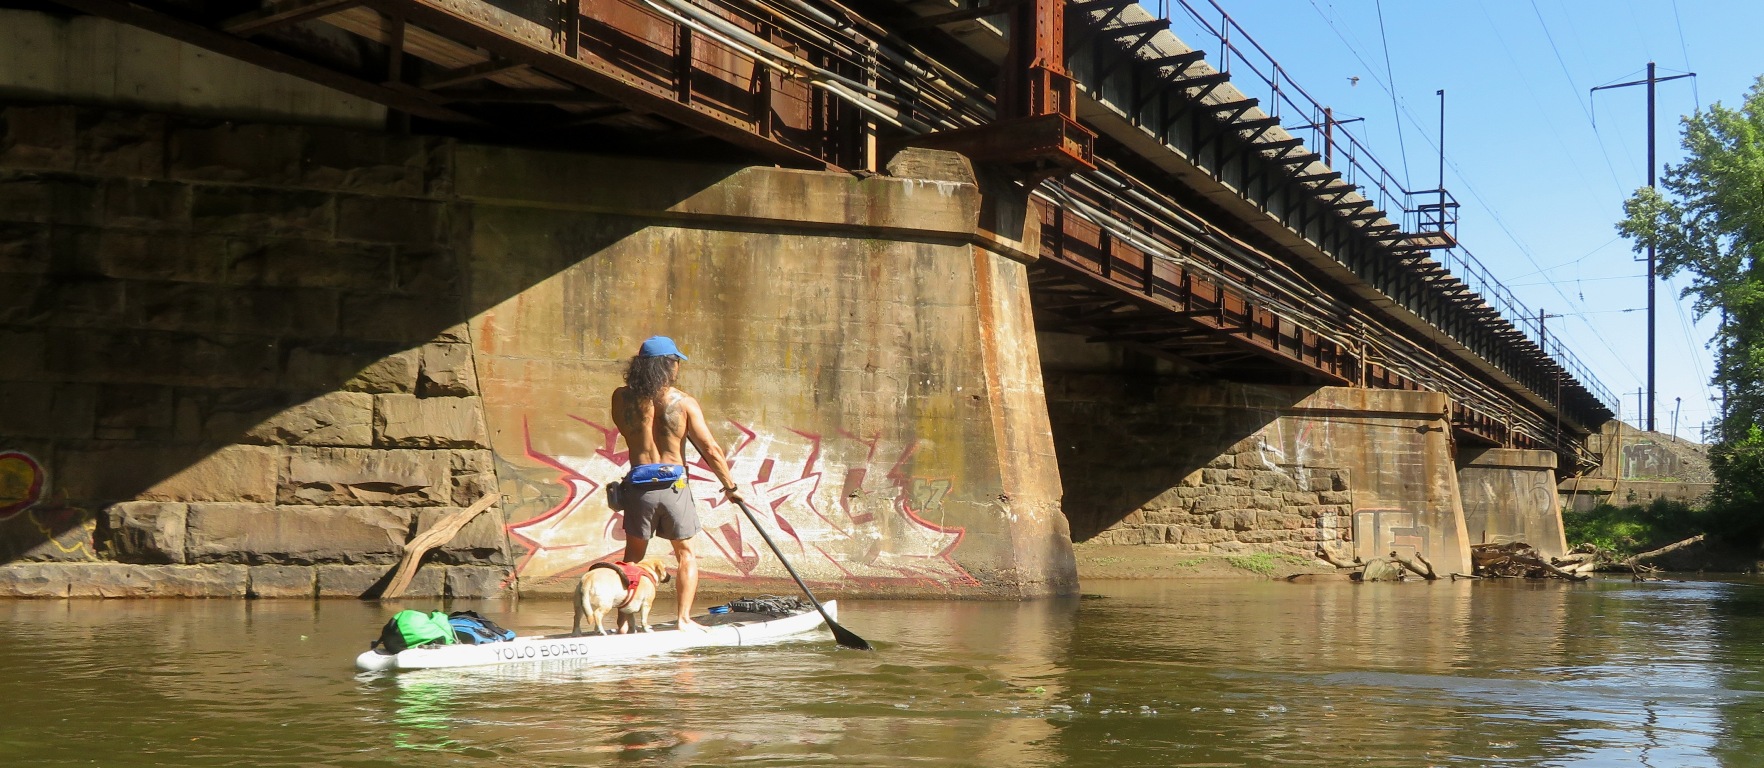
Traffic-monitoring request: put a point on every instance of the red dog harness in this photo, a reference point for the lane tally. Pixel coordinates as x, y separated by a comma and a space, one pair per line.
631, 573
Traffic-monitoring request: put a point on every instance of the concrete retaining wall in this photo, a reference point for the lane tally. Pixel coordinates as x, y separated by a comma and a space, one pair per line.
276, 352
1639, 467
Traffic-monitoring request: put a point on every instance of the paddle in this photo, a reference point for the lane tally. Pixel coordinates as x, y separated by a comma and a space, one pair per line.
845, 637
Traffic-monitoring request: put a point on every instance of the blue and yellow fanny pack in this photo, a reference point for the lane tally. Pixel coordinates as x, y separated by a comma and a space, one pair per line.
656, 475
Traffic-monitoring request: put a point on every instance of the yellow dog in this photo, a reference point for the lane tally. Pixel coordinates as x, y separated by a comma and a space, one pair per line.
628, 588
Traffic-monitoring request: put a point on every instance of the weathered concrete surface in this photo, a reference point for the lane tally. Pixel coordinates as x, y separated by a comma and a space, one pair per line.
289, 346
1152, 458
871, 373
97, 61
1510, 495
1639, 467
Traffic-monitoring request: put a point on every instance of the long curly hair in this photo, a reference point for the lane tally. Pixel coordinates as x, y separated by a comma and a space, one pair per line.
648, 377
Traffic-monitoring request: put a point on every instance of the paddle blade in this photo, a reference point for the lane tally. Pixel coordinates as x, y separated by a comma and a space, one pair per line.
847, 638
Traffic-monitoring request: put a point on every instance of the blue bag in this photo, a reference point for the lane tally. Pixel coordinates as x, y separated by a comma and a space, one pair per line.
471, 629
657, 474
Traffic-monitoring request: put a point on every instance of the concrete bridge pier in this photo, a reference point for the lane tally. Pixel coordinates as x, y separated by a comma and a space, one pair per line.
256, 358
1510, 495
1149, 457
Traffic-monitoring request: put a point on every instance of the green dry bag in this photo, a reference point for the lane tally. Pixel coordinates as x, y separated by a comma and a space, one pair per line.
410, 629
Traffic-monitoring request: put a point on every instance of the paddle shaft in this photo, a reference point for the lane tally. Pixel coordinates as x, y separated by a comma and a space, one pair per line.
843, 636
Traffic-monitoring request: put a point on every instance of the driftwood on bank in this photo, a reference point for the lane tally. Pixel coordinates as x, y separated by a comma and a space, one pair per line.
1425, 573
441, 533
1669, 548
1587, 558
1392, 568
1330, 558
1516, 560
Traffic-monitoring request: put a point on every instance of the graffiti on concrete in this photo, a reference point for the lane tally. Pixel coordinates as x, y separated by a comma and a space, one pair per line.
32, 527
841, 509
1647, 460
21, 482
1391, 529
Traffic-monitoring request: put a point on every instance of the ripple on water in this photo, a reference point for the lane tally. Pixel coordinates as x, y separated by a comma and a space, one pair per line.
1193, 674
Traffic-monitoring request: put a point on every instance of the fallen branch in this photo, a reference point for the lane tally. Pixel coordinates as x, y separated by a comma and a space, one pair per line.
1427, 574
1518, 560
1653, 553
441, 533
1325, 556
1569, 575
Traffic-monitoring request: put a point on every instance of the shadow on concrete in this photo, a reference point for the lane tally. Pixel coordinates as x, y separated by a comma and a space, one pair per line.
1124, 437
169, 285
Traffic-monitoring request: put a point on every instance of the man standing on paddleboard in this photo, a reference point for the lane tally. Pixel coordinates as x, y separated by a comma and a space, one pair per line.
656, 420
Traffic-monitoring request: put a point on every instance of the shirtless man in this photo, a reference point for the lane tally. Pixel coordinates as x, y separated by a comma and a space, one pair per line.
655, 419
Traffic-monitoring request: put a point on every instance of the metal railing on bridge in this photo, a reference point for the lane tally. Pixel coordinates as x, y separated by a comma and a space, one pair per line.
1428, 216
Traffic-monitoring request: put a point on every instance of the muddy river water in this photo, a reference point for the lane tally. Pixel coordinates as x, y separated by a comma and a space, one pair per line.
1135, 673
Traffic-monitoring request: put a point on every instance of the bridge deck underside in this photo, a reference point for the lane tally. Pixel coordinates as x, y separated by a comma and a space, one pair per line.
669, 75
615, 70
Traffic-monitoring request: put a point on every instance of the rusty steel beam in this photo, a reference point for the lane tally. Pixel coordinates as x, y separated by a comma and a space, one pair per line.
1155, 292
501, 34
521, 96
281, 15
469, 74
239, 48
1037, 130
993, 8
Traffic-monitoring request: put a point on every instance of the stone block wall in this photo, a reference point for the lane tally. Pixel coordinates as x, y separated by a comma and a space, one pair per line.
256, 359
1155, 458
233, 347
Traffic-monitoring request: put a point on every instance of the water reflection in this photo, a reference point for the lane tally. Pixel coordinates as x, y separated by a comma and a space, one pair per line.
1240, 673
423, 717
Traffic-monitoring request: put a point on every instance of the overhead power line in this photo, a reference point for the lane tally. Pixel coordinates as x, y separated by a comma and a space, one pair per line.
1584, 108
1395, 109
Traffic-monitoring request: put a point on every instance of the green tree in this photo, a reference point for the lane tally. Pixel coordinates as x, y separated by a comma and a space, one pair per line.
1709, 224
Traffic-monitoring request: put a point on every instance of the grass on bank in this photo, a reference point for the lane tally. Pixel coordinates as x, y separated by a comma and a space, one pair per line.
1636, 528
1265, 563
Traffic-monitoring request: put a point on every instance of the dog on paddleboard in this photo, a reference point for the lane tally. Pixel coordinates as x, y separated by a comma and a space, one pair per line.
628, 588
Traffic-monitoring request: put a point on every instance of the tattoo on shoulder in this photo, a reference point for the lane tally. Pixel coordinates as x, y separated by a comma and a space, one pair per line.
631, 408
676, 417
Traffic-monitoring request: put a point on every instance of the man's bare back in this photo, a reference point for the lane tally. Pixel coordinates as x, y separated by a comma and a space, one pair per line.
654, 430
656, 421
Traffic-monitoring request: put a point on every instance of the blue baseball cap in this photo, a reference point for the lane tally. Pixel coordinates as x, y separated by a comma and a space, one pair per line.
660, 346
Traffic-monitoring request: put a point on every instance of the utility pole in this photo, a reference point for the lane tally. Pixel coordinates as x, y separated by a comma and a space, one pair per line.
1676, 402
1441, 93
1328, 126
1555, 372
1650, 82
1542, 335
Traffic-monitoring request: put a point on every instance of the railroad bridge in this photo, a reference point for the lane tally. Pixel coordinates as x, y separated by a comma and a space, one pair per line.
962, 282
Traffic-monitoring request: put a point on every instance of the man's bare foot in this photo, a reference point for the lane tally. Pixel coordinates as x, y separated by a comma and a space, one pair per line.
690, 625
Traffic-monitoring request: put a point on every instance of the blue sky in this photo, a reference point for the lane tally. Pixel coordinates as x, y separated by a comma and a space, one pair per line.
1540, 166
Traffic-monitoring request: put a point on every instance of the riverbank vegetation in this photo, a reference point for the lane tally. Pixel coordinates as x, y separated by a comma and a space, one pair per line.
1707, 222
1636, 528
